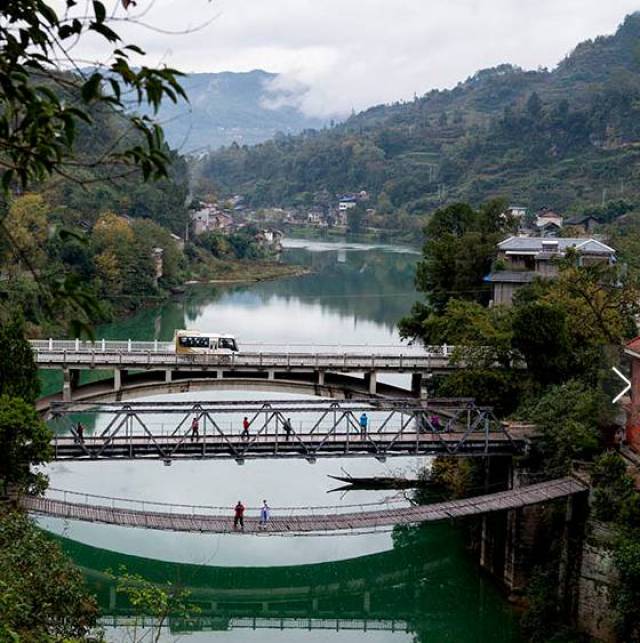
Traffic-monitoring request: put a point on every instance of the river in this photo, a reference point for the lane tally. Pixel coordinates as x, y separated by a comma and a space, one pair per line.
412, 584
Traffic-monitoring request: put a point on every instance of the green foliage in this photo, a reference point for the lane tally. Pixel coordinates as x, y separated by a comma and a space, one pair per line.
614, 497
151, 600
42, 595
541, 138
455, 475
627, 594
241, 244
24, 443
543, 621
38, 121
569, 416
18, 371
541, 334
355, 218
501, 389
460, 248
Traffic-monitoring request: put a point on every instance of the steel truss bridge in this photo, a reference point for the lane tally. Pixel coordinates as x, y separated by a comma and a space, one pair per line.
269, 361
353, 519
307, 429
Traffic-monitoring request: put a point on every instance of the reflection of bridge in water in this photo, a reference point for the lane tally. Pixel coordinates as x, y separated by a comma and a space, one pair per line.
414, 586
211, 624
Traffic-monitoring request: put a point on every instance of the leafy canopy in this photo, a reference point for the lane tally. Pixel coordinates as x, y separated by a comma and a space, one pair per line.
42, 595
24, 444
43, 102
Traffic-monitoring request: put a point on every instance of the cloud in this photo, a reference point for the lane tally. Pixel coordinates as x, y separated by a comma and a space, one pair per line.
356, 53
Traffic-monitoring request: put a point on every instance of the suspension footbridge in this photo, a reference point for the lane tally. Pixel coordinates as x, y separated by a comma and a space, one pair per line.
70, 505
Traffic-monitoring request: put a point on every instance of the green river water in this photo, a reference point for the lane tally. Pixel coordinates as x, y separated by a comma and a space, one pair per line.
411, 584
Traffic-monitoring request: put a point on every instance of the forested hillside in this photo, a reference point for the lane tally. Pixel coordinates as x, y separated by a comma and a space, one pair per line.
91, 230
565, 138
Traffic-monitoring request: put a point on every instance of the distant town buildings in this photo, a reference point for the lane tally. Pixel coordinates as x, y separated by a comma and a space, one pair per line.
520, 260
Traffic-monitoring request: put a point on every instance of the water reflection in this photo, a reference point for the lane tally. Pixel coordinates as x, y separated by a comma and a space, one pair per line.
423, 588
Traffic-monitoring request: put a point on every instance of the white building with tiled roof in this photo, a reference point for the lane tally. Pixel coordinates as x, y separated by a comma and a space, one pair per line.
523, 259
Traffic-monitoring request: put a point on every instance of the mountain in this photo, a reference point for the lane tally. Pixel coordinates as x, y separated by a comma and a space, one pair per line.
567, 138
230, 107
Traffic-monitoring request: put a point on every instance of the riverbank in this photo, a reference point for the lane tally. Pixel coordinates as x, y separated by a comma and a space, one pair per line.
248, 271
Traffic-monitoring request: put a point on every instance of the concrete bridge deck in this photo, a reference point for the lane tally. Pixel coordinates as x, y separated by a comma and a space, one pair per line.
293, 522
271, 360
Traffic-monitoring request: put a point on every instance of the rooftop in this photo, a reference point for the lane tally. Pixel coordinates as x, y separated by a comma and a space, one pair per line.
559, 245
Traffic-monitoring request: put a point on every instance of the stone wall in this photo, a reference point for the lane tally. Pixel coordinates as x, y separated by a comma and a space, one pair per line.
596, 580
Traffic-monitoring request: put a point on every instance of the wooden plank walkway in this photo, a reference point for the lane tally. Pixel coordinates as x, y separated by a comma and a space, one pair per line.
305, 523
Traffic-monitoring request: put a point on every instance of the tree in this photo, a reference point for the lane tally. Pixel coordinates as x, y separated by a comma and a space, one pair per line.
541, 334
151, 600
457, 255
42, 595
24, 443
355, 218
26, 220
534, 106
18, 371
42, 106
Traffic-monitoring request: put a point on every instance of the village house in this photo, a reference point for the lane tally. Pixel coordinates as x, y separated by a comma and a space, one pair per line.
346, 203
210, 218
520, 260
548, 220
515, 212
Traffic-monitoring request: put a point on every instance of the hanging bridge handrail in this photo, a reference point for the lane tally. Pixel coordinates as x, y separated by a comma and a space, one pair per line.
227, 509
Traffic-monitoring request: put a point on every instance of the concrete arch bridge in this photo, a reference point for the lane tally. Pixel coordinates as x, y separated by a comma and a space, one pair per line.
324, 369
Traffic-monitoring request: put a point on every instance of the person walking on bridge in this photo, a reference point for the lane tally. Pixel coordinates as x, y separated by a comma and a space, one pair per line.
238, 517
364, 423
245, 428
288, 429
265, 513
195, 427
80, 432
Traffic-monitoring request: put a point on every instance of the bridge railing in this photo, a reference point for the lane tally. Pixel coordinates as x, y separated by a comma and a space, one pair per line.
315, 361
397, 501
164, 347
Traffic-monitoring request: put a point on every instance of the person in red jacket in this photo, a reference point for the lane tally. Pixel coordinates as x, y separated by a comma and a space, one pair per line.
245, 428
238, 518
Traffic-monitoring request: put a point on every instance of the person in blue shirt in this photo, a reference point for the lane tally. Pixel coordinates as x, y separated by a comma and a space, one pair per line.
364, 422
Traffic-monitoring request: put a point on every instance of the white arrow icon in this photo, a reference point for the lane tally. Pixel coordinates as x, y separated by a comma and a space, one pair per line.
626, 388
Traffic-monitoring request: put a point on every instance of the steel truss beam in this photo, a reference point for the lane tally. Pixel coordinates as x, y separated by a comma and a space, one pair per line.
322, 428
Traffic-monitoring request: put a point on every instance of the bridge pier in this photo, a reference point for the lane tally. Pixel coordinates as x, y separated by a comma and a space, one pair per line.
117, 380
370, 382
168, 375
416, 383
70, 378
320, 375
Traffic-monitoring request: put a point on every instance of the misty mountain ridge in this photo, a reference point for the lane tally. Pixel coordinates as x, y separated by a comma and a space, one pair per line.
227, 107
567, 138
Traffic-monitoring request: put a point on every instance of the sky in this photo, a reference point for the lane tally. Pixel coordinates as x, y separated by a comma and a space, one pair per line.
351, 54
